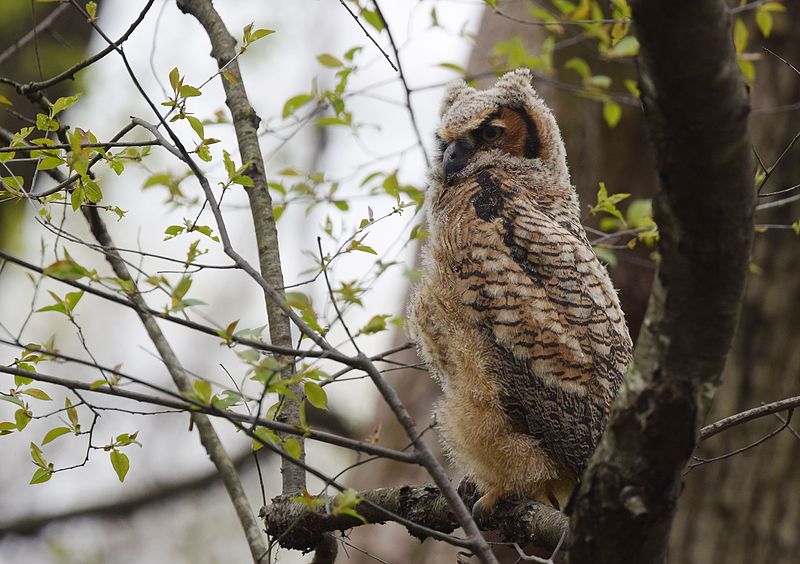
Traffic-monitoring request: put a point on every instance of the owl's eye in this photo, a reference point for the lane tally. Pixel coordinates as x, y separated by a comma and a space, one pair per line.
490, 133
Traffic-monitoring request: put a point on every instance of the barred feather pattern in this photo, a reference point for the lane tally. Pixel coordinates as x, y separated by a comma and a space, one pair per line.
515, 316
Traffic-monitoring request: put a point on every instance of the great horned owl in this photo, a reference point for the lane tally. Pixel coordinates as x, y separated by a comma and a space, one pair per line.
514, 315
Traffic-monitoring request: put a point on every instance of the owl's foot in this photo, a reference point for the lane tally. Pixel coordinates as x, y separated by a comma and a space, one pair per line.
484, 506
547, 497
467, 490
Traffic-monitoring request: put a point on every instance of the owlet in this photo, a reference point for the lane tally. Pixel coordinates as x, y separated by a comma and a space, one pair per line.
515, 316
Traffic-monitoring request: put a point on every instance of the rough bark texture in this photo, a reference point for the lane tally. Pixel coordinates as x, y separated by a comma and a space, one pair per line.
696, 107
302, 528
746, 509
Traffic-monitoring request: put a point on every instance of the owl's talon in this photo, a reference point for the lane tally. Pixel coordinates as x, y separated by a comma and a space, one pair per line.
467, 489
485, 505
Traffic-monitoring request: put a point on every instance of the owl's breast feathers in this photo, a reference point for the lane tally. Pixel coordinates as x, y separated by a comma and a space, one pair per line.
522, 270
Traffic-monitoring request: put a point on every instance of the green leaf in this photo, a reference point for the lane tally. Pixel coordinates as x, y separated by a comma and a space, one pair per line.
627, 47
259, 33
181, 288
13, 399
62, 104
23, 380
345, 504
329, 61
44, 123
740, 35
451, 66
203, 390
72, 299
54, 433
764, 21
606, 256
174, 79
173, 231
188, 91
226, 400
7, 427
77, 198
197, 125
579, 66
293, 447
608, 204
72, 414
120, 463
50, 162
375, 325
600, 81
315, 395
92, 190
66, 269
265, 435
373, 19
294, 103
243, 180
36, 393
4, 100
22, 417
612, 112
91, 9
204, 153
41, 475
331, 120
357, 246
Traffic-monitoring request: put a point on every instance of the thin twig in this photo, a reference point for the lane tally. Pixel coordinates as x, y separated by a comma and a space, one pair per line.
406, 89
355, 17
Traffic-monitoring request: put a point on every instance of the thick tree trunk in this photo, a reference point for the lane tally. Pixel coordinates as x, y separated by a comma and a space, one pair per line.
745, 509
696, 106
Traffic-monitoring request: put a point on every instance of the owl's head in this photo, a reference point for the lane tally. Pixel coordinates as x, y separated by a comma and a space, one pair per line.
508, 122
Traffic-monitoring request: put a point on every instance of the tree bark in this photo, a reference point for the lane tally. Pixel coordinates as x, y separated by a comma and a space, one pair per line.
696, 107
745, 509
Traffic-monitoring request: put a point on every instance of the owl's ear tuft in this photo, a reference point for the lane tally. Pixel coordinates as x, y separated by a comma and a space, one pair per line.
453, 92
521, 78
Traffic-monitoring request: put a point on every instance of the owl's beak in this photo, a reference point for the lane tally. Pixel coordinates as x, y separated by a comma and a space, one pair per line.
455, 157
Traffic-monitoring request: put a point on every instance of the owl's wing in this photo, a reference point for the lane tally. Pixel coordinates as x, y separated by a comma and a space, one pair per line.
537, 288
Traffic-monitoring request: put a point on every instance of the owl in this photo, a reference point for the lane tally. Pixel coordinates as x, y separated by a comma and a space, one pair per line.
514, 315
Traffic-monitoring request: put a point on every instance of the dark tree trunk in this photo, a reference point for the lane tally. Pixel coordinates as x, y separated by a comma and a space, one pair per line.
747, 509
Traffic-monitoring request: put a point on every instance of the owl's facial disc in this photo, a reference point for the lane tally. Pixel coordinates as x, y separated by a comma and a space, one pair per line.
510, 130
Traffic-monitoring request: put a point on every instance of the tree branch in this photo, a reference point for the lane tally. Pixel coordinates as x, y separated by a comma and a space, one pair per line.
245, 123
33, 87
696, 106
525, 522
208, 436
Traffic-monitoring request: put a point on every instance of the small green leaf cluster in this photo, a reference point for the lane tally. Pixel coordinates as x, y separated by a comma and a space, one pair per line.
181, 92
250, 36
741, 36
119, 460
332, 98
